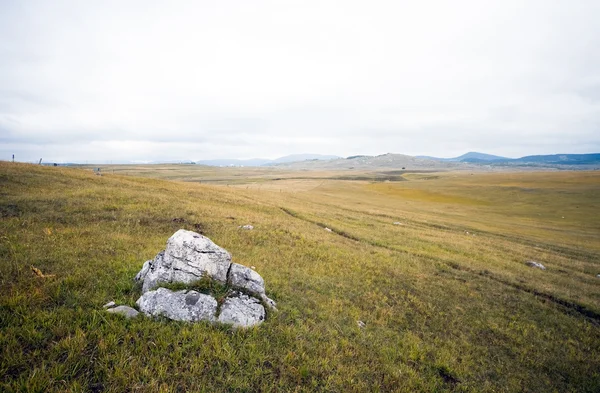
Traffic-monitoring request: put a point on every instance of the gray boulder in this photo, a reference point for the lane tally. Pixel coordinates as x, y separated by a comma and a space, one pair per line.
190, 306
126, 311
243, 277
242, 311
188, 257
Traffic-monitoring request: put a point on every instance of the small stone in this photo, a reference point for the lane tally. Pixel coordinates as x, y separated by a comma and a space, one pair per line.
269, 302
109, 304
361, 324
126, 311
398, 223
242, 311
328, 230
535, 264
247, 227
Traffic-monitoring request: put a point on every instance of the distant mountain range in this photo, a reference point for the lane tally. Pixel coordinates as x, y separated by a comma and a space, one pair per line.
470, 161
468, 157
548, 160
265, 161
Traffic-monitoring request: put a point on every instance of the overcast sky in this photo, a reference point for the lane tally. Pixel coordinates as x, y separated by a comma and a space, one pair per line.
126, 80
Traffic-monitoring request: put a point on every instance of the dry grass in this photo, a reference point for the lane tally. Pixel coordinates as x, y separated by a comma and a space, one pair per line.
444, 310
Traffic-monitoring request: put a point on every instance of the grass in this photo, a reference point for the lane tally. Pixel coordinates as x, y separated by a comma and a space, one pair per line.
444, 310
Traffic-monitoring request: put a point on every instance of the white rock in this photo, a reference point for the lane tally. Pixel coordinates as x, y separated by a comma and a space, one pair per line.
243, 277
398, 223
328, 230
242, 311
188, 257
361, 324
126, 311
269, 302
109, 304
535, 265
247, 227
142, 273
181, 305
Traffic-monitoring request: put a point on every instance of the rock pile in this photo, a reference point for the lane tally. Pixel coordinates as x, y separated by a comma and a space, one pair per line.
188, 258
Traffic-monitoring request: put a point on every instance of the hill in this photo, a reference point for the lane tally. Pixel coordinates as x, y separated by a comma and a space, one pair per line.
433, 267
469, 157
265, 161
591, 161
384, 161
560, 159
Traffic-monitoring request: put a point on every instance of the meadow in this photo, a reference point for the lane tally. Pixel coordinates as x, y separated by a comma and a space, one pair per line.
433, 264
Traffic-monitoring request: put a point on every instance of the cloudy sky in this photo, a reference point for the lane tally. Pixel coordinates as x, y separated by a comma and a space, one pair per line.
126, 80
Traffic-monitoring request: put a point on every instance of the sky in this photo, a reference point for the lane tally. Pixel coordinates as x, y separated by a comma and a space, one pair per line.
102, 81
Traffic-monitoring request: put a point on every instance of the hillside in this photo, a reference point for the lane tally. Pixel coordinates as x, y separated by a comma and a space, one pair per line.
384, 161
447, 301
469, 157
559, 161
265, 161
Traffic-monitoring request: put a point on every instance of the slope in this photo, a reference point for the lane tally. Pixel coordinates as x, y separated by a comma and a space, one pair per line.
443, 311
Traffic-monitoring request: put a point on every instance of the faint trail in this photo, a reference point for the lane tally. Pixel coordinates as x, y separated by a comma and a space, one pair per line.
565, 305
561, 250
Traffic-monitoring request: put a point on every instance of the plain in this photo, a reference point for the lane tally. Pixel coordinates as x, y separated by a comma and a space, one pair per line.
433, 264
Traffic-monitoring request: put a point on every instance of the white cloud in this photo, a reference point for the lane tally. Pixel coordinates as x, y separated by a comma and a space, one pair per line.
118, 80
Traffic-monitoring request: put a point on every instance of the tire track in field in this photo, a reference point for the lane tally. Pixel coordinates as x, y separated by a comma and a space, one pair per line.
564, 305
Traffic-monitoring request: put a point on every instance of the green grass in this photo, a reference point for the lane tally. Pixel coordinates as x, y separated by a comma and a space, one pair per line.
444, 310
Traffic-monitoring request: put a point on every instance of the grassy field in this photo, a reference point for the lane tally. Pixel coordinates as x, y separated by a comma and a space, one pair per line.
448, 302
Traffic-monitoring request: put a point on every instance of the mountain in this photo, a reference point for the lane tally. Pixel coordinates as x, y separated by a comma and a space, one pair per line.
561, 159
384, 161
303, 157
266, 161
471, 156
234, 162
470, 161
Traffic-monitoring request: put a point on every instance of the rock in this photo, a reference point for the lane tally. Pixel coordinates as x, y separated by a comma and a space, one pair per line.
598, 275
182, 305
535, 265
109, 305
126, 311
188, 257
398, 223
361, 324
269, 302
328, 229
243, 277
247, 227
242, 311
142, 273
